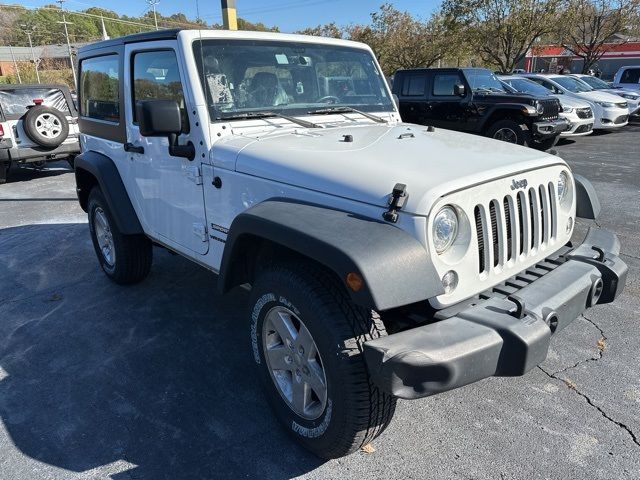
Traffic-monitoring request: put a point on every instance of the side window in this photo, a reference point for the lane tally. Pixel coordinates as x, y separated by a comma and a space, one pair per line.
443, 84
156, 76
99, 88
414, 86
630, 75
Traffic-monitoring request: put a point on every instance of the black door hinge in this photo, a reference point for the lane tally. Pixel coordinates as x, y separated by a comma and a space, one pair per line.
396, 202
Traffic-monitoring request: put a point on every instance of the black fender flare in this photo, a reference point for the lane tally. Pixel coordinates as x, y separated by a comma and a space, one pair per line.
105, 173
396, 268
511, 107
587, 203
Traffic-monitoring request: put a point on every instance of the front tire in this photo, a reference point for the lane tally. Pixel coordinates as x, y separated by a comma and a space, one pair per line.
546, 144
4, 171
125, 259
307, 339
510, 131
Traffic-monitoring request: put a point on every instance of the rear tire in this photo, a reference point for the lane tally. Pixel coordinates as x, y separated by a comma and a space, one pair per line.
125, 259
354, 411
509, 130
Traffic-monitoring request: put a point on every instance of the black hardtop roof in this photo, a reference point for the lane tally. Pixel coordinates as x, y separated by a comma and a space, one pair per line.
169, 34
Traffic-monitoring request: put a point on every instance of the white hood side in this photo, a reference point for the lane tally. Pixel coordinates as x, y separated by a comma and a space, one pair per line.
366, 168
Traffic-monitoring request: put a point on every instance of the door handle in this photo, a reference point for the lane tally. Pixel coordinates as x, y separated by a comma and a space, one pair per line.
130, 147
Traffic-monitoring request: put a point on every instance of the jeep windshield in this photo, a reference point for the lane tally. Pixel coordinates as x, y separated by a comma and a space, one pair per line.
484, 81
241, 77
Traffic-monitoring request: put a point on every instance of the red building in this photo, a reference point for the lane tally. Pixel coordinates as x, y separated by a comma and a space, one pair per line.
552, 57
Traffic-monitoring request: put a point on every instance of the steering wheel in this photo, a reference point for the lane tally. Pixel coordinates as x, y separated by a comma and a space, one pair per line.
328, 99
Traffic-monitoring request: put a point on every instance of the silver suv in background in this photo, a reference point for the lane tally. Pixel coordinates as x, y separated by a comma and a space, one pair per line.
610, 111
628, 77
632, 97
38, 123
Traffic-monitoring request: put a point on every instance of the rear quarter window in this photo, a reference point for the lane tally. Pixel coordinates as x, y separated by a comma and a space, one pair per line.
414, 86
99, 83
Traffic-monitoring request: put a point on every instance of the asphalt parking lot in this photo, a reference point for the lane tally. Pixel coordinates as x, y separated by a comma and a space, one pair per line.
156, 381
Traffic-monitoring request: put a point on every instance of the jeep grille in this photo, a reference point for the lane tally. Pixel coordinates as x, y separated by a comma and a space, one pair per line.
551, 109
521, 222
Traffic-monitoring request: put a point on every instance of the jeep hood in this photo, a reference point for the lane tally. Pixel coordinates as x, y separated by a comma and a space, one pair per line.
366, 166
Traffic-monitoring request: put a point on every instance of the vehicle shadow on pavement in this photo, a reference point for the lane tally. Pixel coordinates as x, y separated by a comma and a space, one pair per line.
22, 173
157, 377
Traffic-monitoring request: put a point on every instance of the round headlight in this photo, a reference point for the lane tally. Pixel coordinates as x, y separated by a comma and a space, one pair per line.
539, 108
564, 184
445, 228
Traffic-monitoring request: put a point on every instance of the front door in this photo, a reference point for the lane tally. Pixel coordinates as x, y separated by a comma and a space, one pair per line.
448, 109
167, 190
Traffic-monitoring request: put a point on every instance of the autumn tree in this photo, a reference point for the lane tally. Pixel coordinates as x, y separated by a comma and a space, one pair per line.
501, 31
398, 39
589, 25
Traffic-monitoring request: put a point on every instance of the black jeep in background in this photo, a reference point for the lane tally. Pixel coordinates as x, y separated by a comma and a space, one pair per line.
474, 100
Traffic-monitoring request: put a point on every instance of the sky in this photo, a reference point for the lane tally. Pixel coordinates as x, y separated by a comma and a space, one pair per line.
288, 15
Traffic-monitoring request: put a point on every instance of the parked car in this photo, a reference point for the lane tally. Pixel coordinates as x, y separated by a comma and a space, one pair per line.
632, 97
628, 77
577, 112
610, 111
386, 260
473, 100
38, 123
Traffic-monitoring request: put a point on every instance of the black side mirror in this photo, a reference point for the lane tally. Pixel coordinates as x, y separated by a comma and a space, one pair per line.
458, 90
162, 118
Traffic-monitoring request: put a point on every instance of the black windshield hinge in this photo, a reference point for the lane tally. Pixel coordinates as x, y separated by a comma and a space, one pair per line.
396, 202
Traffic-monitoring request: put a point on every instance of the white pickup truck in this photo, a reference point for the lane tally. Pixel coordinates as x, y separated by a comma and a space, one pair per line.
386, 260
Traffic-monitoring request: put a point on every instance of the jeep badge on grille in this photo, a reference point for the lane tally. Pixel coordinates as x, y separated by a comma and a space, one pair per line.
516, 184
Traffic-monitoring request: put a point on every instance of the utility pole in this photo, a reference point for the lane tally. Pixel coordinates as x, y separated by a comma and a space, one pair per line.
152, 4
229, 15
66, 34
15, 64
29, 32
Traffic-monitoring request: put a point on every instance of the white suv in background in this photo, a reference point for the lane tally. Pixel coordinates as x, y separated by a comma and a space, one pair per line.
578, 112
610, 111
628, 77
632, 97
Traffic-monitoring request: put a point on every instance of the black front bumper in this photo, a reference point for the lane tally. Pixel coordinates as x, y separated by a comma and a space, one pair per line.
546, 129
504, 335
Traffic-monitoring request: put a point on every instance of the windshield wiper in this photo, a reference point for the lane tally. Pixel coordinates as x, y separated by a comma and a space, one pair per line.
329, 110
250, 115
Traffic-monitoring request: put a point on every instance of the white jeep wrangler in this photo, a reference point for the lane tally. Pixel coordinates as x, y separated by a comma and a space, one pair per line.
38, 123
385, 259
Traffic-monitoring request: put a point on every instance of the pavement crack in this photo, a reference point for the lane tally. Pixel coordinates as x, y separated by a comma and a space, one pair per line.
601, 345
572, 386
630, 256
